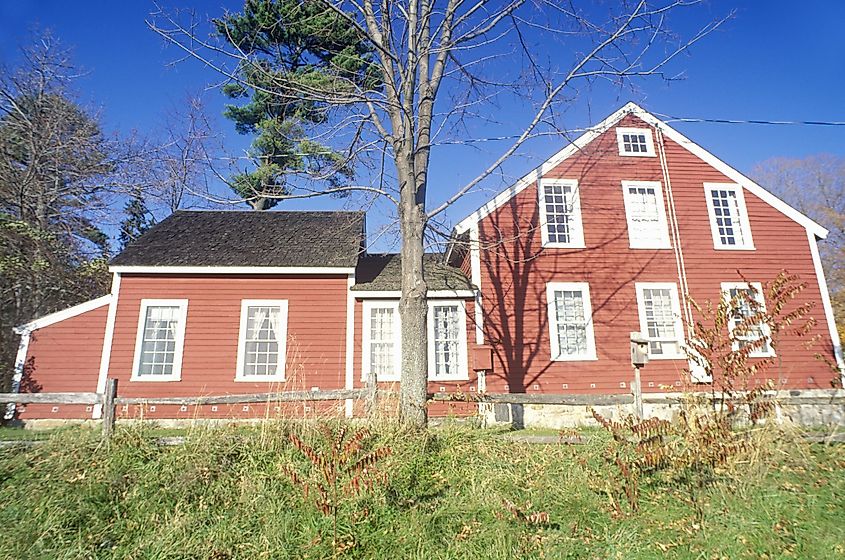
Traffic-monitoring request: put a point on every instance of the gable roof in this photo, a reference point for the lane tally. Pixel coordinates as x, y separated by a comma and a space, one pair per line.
230, 238
597, 130
383, 272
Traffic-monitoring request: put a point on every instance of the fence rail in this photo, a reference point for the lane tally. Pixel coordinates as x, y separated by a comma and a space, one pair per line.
109, 399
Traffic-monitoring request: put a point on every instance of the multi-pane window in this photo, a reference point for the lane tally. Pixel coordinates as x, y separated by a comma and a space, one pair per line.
447, 344
746, 303
561, 213
161, 331
570, 324
728, 217
660, 319
647, 227
263, 334
381, 339
635, 142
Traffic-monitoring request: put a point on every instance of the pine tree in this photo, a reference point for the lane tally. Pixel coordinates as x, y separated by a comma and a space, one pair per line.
298, 46
137, 220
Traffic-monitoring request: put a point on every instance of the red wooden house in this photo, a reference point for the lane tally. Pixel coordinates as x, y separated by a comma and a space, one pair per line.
553, 275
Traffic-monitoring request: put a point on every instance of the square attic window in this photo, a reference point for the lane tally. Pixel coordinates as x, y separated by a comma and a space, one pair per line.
635, 142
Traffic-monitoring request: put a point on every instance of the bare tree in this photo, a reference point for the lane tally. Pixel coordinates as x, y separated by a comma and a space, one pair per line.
56, 171
444, 66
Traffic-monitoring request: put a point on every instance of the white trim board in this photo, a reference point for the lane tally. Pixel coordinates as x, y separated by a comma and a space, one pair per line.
20, 364
108, 337
232, 270
59, 316
828, 307
594, 132
349, 365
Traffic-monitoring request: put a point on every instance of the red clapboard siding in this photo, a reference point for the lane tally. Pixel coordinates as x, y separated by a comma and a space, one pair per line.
64, 357
515, 273
316, 332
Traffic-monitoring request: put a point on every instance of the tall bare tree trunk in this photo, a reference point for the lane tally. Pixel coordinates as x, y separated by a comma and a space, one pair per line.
413, 309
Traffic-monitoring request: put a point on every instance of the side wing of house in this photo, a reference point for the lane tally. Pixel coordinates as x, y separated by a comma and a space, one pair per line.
60, 353
608, 237
451, 328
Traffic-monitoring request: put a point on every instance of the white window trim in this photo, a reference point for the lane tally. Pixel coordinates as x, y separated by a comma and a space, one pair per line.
661, 222
676, 310
463, 370
368, 307
743, 217
576, 226
649, 141
757, 287
282, 304
584, 288
182, 304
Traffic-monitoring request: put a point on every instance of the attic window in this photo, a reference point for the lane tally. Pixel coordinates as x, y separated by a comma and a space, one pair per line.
635, 142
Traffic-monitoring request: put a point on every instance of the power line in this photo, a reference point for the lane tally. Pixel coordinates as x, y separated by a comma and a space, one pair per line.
670, 119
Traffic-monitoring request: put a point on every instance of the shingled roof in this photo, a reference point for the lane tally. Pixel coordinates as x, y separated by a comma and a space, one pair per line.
384, 273
248, 238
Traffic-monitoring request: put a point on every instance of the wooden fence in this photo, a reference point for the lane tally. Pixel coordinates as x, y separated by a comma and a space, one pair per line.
109, 399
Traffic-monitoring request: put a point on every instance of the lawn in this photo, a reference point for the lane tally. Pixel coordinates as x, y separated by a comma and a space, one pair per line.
224, 494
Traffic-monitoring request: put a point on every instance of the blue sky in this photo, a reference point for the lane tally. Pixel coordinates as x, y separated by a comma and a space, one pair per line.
773, 61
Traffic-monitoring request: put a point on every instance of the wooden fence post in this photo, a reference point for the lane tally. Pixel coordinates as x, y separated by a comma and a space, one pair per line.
109, 407
637, 390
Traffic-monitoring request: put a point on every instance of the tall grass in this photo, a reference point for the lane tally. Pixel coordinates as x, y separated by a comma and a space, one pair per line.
224, 495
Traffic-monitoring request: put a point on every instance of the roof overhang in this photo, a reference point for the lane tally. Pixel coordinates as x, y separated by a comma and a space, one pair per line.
58, 316
594, 132
301, 270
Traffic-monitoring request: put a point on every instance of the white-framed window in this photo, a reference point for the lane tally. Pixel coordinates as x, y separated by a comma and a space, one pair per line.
728, 216
560, 213
447, 340
382, 341
636, 142
262, 340
570, 321
160, 340
660, 319
744, 301
647, 227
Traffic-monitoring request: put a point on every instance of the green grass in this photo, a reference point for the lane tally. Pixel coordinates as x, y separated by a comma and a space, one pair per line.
222, 496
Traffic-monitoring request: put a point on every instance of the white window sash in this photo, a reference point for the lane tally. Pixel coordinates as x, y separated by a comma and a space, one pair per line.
676, 312
649, 141
366, 353
653, 234
741, 219
462, 373
765, 332
575, 222
279, 326
179, 340
551, 308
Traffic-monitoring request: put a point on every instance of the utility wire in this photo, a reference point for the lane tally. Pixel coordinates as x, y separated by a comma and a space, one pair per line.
669, 119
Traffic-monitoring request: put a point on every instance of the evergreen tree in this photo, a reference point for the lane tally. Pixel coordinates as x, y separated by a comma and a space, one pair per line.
291, 48
137, 220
